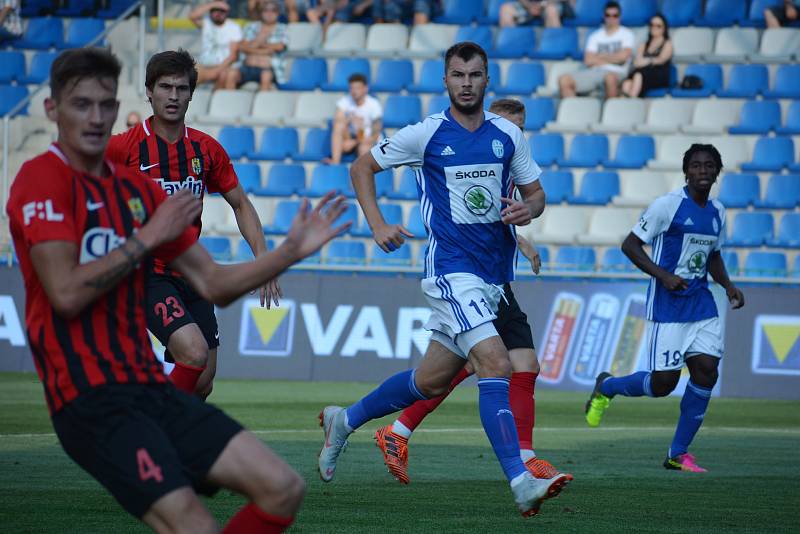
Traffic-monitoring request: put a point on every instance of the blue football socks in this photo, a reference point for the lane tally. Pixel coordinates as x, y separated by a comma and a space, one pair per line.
635, 385
498, 423
395, 393
693, 410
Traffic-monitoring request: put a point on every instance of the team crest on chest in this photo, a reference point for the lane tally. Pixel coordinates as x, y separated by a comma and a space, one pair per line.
497, 148
137, 209
197, 166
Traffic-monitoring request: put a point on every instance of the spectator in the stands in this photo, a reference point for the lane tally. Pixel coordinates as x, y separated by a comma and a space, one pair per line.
10, 23
264, 47
133, 119
357, 122
325, 11
652, 62
419, 11
778, 16
606, 58
552, 12
220, 41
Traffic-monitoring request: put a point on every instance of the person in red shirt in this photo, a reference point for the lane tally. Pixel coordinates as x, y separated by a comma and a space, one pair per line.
177, 157
85, 231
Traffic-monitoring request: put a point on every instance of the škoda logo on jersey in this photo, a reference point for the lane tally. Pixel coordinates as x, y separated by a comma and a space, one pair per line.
266, 332
776, 345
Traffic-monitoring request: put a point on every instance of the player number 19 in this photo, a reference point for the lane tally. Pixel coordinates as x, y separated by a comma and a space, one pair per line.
676, 358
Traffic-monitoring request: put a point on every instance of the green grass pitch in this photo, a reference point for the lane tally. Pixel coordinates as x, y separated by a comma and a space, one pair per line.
751, 448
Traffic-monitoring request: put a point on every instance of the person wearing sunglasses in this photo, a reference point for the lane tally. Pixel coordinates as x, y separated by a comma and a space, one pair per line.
606, 58
652, 62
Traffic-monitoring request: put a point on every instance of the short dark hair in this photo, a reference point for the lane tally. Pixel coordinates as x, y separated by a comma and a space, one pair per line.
612, 3
171, 63
507, 105
698, 147
466, 50
72, 66
357, 77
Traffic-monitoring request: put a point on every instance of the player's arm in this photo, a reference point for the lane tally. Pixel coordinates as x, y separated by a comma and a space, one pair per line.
522, 212
619, 57
717, 270
529, 251
71, 287
633, 248
222, 284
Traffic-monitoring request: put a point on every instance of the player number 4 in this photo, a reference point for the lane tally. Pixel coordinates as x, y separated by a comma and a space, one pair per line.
147, 467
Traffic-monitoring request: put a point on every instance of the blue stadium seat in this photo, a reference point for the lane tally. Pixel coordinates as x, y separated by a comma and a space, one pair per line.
755, 17
771, 154
739, 190
328, 177
35, 8
794, 274
522, 79
681, 12
731, 260
492, 15
711, 74
586, 150
786, 83
481, 35
788, 232
758, 117
723, 13
638, 12
615, 261
487, 101
285, 211
76, 8
393, 75
346, 252
114, 9
546, 148
460, 12
218, 247
746, 81
307, 74
401, 110
284, 180
398, 258
39, 69
345, 68
765, 264
12, 66
751, 229
42, 33
538, 112
597, 187
587, 13
437, 104
494, 76
783, 192
316, 146
276, 144
392, 214
523, 265
238, 141
792, 124
581, 259
559, 186
430, 78
350, 215
407, 188
384, 182
10, 96
558, 43
632, 152
249, 175
415, 224
514, 42
243, 251
83, 31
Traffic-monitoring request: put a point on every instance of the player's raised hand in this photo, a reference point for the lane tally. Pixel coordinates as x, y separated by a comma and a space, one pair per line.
312, 228
171, 218
390, 237
271, 294
735, 297
516, 212
673, 282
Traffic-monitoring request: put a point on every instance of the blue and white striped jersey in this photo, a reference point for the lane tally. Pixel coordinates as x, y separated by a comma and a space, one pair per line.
683, 235
461, 176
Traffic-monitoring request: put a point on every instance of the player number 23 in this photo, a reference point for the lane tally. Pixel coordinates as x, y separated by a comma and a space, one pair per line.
673, 358
169, 310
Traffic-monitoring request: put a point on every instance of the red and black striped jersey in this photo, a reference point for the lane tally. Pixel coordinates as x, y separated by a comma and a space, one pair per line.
107, 342
196, 162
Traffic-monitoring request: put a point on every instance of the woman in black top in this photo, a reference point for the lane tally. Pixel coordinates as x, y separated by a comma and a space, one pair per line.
652, 63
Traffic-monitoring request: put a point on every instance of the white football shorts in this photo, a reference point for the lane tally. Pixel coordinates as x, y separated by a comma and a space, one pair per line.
670, 344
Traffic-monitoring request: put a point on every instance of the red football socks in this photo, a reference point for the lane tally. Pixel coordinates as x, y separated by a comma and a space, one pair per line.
253, 520
414, 414
523, 405
185, 377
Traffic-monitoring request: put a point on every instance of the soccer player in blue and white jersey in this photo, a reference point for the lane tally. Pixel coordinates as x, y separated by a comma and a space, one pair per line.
464, 159
686, 229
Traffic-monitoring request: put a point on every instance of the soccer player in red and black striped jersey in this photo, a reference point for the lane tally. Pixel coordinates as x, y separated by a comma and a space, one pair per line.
177, 157
85, 231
